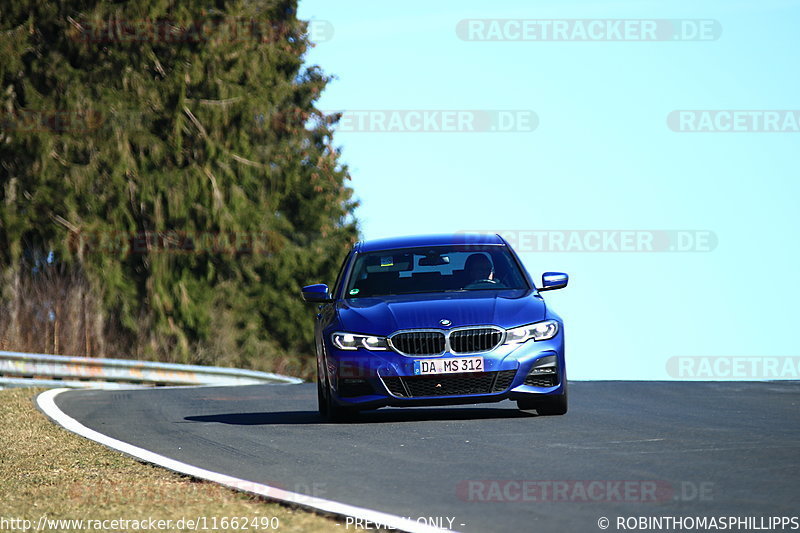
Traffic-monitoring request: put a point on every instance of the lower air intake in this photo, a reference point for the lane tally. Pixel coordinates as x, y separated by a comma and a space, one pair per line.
450, 384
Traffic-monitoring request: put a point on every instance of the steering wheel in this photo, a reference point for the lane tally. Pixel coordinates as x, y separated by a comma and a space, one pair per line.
479, 282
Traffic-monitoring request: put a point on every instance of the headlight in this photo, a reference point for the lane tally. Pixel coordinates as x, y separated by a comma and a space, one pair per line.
540, 331
351, 341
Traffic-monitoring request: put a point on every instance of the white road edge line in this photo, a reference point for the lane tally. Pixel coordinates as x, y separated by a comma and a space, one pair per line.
46, 402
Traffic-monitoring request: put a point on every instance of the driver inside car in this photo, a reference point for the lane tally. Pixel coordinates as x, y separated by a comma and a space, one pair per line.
478, 268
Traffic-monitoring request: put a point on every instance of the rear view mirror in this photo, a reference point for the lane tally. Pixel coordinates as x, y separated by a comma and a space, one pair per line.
434, 260
554, 280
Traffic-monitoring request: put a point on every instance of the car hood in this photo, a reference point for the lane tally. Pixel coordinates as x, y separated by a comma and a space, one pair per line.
384, 315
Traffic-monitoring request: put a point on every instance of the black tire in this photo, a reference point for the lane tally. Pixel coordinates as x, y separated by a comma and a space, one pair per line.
337, 413
546, 406
322, 401
329, 409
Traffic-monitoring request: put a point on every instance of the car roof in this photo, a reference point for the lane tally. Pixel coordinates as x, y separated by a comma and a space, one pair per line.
414, 241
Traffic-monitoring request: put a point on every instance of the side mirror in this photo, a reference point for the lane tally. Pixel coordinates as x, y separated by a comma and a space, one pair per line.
554, 280
316, 293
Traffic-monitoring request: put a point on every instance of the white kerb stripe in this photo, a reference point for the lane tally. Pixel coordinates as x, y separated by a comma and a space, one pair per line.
46, 402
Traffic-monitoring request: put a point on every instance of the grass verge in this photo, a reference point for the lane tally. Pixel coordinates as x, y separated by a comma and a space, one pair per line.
48, 471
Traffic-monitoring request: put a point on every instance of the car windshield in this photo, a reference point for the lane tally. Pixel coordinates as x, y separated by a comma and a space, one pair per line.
434, 269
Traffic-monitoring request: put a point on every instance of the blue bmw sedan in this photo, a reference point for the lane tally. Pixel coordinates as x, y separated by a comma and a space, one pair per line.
433, 320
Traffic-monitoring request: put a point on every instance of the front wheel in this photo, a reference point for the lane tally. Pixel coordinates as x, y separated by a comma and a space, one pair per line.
331, 410
322, 401
337, 413
546, 406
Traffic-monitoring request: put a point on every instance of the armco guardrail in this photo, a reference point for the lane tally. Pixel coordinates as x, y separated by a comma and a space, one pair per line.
42, 370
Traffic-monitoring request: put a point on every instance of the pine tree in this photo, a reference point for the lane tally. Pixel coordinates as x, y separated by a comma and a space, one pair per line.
173, 153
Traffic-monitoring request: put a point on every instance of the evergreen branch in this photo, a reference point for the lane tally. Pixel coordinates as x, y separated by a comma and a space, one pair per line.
195, 122
66, 223
159, 68
58, 158
224, 102
216, 192
245, 161
75, 23
14, 30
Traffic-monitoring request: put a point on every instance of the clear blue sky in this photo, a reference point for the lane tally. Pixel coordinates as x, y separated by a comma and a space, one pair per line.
601, 158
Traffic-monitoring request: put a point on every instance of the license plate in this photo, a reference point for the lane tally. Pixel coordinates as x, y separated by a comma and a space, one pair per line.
448, 366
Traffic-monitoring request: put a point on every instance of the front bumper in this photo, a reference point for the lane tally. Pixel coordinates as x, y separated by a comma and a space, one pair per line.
371, 379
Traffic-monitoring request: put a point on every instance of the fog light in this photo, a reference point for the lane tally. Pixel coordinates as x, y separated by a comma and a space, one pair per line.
544, 372
544, 365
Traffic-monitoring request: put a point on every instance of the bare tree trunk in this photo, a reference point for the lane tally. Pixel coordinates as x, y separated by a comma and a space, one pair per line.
86, 350
55, 333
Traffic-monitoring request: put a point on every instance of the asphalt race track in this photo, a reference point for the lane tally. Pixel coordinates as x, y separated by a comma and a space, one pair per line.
668, 448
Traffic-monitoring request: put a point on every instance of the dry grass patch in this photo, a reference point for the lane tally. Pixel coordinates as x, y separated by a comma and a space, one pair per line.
46, 470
